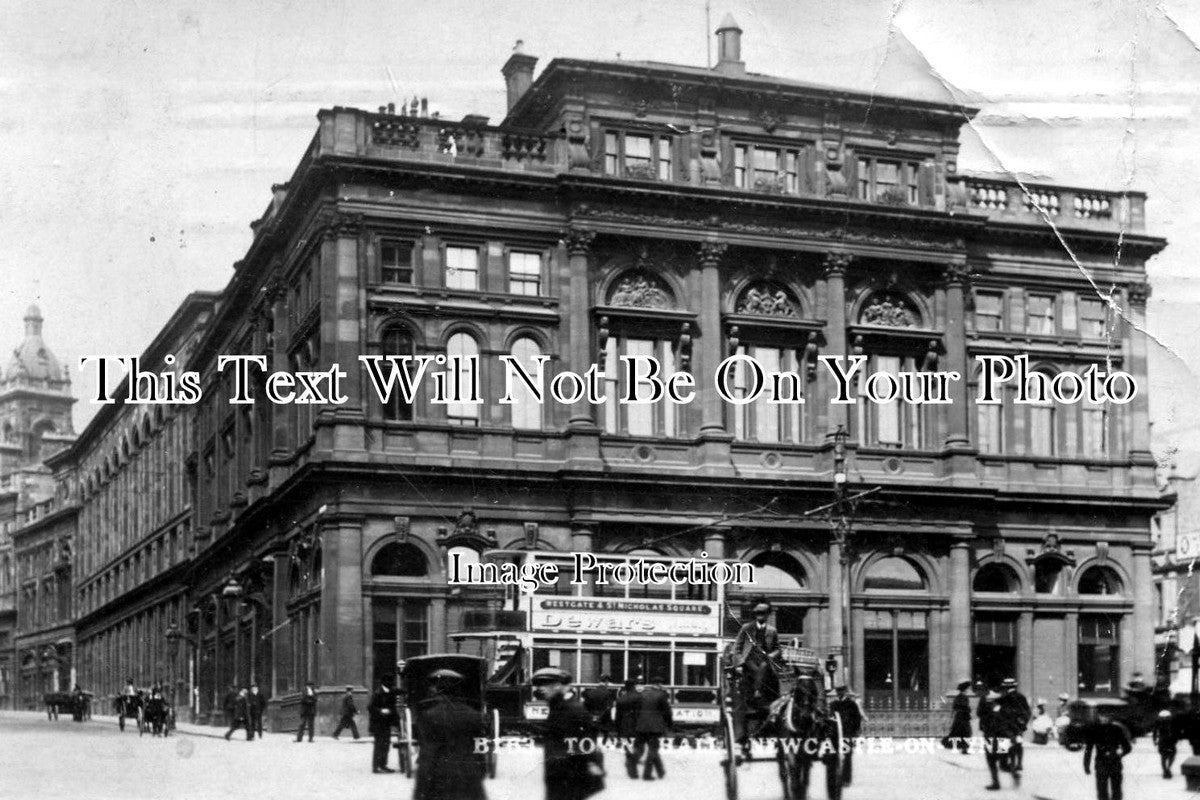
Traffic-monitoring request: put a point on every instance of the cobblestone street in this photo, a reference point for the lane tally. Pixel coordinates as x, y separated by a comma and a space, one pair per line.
44, 759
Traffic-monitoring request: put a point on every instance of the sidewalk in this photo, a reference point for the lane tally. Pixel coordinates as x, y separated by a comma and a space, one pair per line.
189, 729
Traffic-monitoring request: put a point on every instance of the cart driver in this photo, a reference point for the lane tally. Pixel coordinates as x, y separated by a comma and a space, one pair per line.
755, 651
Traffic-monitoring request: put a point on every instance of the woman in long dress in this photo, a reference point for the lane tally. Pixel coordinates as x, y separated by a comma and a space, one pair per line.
960, 724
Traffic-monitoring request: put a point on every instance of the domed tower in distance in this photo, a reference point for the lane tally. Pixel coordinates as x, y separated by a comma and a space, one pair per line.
35, 403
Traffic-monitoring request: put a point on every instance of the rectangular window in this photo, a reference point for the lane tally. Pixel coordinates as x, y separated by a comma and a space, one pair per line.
637, 419
889, 181
769, 418
769, 169
1042, 432
396, 262
525, 273
462, 268
1093, 319
895, 424
647, 156
990, 436
1039, 314
1099, 654
989, 311
1095, 429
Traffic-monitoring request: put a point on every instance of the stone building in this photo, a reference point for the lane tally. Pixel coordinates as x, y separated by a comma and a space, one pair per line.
644, 209
35, 421
133, 543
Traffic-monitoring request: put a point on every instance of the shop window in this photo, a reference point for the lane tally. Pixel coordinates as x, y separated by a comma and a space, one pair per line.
895, 659
994, 648
399, 631
399, 560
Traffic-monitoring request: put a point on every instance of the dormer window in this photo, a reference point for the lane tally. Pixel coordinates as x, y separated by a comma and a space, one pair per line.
637, 155
883, 180
767, 169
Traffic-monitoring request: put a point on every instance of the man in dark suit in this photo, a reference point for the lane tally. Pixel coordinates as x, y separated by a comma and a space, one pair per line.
308, 711
847, 708
1110, 742
381, 718
625, 717
1014, 719
257, 703
229, 703
349, 712
571, 773
754, 649
240, 716
448, 765
598, 700
654, 719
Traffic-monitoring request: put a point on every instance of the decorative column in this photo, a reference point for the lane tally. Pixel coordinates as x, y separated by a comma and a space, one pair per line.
1143, 613
1025, 673
342, 312
712, 416
1136, 365
960, 611
835, 268
579, 245
281, 646
341, 628
714, 544
956, 356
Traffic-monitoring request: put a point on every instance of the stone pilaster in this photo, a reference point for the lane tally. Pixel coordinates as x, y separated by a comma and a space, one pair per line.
956, 356
342, 611
960, 611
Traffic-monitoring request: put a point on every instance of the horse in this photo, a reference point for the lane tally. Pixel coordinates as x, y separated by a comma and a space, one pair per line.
805, 718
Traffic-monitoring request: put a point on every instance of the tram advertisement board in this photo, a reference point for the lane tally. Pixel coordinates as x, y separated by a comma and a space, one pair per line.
632, 617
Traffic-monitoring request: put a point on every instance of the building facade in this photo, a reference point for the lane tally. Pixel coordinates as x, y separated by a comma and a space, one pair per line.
640, 209
1176, 583
134, 536
35, 422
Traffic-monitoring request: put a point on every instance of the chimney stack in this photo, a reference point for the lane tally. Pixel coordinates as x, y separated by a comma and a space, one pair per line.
518, 73
729, 48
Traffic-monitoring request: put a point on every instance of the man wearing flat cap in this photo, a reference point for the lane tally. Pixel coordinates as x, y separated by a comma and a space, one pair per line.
570, 773
349, 712
446, 730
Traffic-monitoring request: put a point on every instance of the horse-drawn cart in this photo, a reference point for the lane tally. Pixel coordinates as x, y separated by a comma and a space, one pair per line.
418, 686
788, 715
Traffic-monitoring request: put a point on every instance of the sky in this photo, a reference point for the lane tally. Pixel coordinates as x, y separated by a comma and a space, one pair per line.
139, 139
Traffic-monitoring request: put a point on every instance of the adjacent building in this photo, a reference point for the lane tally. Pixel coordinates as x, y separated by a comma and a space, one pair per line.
35, 422
641, 209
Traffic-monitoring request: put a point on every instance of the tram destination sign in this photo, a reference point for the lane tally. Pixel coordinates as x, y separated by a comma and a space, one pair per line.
625, 616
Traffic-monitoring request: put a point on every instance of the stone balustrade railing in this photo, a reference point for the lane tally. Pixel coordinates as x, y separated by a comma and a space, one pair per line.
1061, 205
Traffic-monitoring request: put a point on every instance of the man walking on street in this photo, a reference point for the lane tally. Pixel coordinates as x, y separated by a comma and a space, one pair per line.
847, 708
349, 712
308, 712
654, 719
598, 700
228, 706
625, 717
1165, 740
1110, 740
570, 773
1014, 716
258, 704
994, 743
381, 718
240, 716
448, 765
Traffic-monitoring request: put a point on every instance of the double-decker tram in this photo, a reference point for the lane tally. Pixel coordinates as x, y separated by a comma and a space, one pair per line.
628, 617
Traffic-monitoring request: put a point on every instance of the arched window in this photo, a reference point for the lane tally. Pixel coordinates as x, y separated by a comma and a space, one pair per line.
778, 572
463, 379
397, 342
995, 578
399, 560
892, 574
1043, 422
460, 557
1100, 580
526, 412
